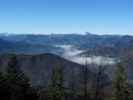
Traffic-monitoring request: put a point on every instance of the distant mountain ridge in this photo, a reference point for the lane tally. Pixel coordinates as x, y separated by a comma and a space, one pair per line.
46, 43
36, 52
39, 67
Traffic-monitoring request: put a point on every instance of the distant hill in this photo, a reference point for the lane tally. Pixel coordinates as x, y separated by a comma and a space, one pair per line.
21, 47
89, 44
38, 67
31, 49
5, 46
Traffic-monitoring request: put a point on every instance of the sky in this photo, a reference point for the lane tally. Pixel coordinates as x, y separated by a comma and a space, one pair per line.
66, 16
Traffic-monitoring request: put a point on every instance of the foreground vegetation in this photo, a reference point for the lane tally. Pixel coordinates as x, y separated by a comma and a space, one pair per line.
14, 85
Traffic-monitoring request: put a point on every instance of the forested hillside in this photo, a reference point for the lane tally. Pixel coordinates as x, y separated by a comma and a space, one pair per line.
49, 77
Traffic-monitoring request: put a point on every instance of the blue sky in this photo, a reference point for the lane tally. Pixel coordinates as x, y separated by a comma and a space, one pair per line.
67, 16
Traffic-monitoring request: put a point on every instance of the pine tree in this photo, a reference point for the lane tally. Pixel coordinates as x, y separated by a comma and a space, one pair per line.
72, 85
99, 82
56, 89
18, 84
85, 81
4, 94
120, 84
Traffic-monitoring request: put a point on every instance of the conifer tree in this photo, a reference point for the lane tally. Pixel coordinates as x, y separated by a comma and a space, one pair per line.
99, 82
4, 94
18, 84
72, 85
120, 84
56, 91
85, 81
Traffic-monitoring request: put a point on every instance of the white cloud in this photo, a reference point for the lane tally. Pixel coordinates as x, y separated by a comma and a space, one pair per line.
71, 53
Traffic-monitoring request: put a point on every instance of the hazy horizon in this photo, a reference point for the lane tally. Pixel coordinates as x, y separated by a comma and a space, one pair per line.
83, 33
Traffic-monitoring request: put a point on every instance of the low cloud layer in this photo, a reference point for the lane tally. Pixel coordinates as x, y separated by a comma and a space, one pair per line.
72, 53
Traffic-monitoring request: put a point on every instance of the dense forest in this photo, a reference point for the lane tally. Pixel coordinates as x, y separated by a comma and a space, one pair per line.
15, 85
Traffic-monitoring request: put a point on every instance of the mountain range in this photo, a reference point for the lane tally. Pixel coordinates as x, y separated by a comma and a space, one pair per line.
36, 52
25, 43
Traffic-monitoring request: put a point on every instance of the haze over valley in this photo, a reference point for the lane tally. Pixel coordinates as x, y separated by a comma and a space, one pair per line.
66, 49
105, 50
77, 48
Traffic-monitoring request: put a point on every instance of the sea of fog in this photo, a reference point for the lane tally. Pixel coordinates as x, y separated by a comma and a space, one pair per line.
73, 54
